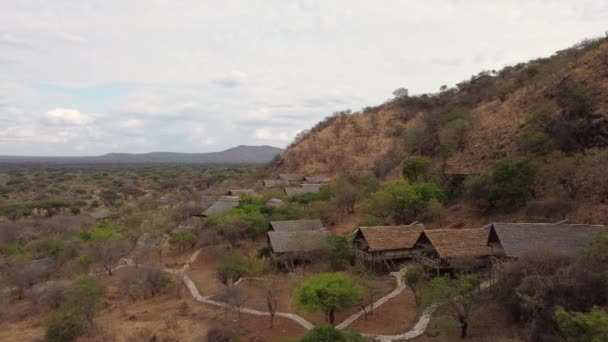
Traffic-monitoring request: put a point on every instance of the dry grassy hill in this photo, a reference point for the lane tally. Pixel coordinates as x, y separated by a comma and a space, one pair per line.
543, 110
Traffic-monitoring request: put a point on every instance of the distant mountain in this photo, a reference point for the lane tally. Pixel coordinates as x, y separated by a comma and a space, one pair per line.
236, 155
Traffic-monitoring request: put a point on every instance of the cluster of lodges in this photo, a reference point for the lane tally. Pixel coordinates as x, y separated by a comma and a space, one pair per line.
439, 250
296, 185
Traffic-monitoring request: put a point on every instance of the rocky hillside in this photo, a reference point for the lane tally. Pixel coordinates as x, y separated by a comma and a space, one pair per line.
549, 110
496, 103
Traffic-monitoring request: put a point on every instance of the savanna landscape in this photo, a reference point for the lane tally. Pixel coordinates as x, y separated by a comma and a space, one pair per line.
477, 212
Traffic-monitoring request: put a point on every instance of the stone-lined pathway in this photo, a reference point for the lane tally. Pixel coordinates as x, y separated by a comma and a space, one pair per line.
418, 329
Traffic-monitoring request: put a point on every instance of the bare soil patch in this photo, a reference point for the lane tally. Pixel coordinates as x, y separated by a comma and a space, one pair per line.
396, 316
254, 293
202, 270
489, 323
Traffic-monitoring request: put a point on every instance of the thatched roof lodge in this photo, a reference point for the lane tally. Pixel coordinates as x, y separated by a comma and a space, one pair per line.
512, 240
295, 192
317, 179
295, 225
437, 248
291, 177
222, 205
275, 183
100, 213
385, 245
287, 247
243, 192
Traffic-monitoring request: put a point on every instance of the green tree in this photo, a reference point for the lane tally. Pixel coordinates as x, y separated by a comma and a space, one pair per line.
415, 169
235, 266
512, 183
64, 325
460, 296
328, 292
327, 333
182, 239
340, 251
581, 326
86, 296
402, 203
414, 279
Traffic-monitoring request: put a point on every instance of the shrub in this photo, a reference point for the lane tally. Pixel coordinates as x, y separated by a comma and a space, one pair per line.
327, 333
401, 202
86, 296
64, 325
583, 327
536, 142
235, 266
415, 169
182, 239
512, 183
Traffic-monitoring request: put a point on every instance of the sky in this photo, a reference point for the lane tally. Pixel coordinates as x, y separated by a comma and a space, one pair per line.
87, 77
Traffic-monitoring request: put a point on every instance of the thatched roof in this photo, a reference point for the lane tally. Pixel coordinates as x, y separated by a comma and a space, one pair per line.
100, 213
317, 179
291, 177
450, 243
275, 183
299, 241
518, 238
222, 205
295, 225
243, 192
207, 201
384, 238
294, 192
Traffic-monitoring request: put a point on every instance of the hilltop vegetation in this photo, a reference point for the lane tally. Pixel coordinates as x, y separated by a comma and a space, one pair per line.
549, 113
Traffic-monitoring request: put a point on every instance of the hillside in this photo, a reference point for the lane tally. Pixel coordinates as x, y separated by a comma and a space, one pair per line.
546, 110
235, 155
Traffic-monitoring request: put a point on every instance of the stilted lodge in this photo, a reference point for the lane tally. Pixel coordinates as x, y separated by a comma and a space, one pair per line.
295, 192
290, 247
243, 192
512, 240
438, 249
275, 183
317, 179
222, 205
295, 225
383, 247
291, 177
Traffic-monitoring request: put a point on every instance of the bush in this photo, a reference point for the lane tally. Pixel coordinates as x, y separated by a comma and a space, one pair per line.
536, 142
327, 333
182, 239
512, 183
582, 327
64, 325
402, 203
235, 266
415, 169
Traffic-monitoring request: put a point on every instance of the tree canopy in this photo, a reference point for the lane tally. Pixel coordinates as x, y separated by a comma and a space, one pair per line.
328, 292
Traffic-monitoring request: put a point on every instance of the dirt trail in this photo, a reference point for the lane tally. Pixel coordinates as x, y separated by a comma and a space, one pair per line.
416, 331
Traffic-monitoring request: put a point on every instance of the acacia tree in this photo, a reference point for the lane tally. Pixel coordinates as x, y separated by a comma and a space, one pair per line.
109, 251
413, 279
460, 296
328, 292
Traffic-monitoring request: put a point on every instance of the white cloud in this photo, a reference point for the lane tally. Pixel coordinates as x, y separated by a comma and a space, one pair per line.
69, 116
246, 72
234, 79
270, 135
131, 123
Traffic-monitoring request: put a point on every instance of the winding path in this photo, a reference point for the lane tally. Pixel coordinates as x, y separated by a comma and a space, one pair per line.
418, 329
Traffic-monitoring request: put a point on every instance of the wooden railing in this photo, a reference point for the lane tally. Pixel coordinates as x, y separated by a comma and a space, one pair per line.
426, 261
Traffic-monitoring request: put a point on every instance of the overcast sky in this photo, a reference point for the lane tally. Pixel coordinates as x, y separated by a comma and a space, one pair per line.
82, 77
